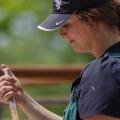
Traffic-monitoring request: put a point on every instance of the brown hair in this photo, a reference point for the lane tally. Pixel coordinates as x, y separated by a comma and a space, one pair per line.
109, 13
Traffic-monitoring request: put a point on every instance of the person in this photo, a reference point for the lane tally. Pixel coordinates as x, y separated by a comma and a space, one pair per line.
89, 26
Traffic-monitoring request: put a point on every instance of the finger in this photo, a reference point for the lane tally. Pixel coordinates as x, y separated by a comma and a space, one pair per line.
3, 66
5, 83
9, 72
6, 89
3, 78
6, 71
8, 96
6, 78
11, 79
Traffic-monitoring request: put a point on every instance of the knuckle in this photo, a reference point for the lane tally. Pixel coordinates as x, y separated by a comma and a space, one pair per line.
1, 78
5, 77
8, 95
4, 83
4, 88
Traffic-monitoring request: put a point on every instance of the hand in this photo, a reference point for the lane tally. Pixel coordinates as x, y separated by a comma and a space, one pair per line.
10, 86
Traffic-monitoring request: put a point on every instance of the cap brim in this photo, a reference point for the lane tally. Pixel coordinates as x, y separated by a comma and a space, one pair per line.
53, 22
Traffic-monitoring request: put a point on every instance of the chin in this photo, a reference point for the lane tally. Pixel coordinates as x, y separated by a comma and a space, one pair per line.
79, 51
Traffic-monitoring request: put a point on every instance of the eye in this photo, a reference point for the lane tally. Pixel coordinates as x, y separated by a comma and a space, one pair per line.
65, 26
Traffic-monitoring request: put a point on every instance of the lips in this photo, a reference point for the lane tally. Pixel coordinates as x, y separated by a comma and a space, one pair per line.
71, 41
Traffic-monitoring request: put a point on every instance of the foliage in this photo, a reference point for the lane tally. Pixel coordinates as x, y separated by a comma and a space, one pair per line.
22, 43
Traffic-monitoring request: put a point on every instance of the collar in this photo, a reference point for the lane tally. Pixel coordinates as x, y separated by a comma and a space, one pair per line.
114, 48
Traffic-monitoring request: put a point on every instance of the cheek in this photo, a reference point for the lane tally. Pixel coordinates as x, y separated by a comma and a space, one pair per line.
83, 36
74, 35
81, 43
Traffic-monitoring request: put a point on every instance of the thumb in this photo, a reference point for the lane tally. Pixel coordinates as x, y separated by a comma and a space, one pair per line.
6, 70
3, 66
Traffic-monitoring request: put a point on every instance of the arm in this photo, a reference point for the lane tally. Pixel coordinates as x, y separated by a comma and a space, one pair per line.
10, 86
35, 111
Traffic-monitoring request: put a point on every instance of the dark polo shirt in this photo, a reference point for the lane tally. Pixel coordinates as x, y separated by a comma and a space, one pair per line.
97, 90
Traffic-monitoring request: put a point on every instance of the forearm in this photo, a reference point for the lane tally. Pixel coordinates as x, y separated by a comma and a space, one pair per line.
35, 111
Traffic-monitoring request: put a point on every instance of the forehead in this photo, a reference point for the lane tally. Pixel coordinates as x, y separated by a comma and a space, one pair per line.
72, 19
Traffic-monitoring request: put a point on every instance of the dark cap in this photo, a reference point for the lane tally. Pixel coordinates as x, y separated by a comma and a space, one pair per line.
63, 9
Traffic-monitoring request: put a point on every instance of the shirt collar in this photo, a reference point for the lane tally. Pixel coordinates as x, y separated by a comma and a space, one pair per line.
114, 48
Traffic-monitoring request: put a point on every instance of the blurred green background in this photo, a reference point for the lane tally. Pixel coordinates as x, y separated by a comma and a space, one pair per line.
22, 43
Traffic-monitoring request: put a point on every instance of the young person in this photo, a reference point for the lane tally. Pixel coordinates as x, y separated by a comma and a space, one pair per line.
89, 26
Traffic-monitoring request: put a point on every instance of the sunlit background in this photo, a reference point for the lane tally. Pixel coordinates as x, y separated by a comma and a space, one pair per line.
22, 43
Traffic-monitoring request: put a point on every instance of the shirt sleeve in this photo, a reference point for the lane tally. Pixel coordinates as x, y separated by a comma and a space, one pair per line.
100, 89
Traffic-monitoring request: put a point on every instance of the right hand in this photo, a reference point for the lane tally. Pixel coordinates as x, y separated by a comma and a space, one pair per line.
10, 87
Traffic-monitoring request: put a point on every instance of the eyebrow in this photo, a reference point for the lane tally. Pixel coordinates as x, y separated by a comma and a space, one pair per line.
66, 24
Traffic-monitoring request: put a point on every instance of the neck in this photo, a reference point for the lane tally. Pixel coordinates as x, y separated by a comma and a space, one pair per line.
101, 48
103, 41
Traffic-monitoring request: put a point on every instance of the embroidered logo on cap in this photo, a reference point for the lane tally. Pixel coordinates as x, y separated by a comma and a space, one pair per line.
58, 4
58, 23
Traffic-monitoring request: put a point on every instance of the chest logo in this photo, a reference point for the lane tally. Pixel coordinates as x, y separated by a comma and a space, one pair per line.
93, 88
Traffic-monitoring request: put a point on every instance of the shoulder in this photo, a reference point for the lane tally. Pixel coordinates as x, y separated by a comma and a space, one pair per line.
100, 88
103, 67
102, 73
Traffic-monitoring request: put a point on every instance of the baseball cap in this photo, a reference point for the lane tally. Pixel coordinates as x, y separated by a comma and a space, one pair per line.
64, 9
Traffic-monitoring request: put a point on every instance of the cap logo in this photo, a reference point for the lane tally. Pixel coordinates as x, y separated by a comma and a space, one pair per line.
58, 4
58, 23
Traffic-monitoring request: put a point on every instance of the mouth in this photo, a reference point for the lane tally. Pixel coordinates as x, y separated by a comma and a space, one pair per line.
71, 41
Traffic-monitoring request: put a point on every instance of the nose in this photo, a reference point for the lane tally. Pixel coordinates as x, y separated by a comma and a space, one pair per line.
63, 32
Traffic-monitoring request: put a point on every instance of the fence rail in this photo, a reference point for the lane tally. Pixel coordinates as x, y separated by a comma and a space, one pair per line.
43, 74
